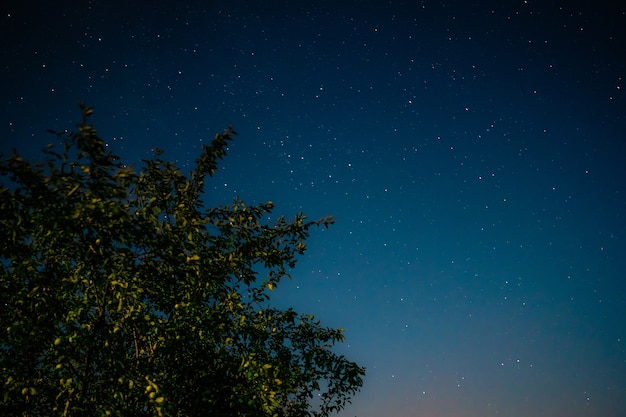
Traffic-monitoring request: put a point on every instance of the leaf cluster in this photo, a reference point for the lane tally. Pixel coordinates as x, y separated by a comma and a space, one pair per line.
121, 294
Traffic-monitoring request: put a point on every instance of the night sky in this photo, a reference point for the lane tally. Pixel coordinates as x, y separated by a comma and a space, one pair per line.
473, 154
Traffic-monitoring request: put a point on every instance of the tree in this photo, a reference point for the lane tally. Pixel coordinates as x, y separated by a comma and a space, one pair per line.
121, 294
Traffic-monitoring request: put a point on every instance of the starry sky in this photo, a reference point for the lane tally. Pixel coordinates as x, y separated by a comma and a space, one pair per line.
472, 153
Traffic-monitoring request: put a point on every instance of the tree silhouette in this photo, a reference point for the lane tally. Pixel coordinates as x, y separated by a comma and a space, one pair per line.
121, 294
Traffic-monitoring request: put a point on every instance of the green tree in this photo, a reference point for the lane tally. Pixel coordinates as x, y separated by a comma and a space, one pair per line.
121, 294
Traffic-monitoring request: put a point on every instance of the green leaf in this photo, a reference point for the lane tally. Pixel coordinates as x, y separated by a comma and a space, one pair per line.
128, 297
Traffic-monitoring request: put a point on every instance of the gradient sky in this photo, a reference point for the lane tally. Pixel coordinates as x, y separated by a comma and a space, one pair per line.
473, 154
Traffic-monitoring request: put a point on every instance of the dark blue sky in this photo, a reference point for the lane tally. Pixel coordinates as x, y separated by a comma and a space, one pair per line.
473, 154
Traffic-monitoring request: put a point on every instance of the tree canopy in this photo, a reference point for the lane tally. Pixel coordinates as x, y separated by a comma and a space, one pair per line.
122, 294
